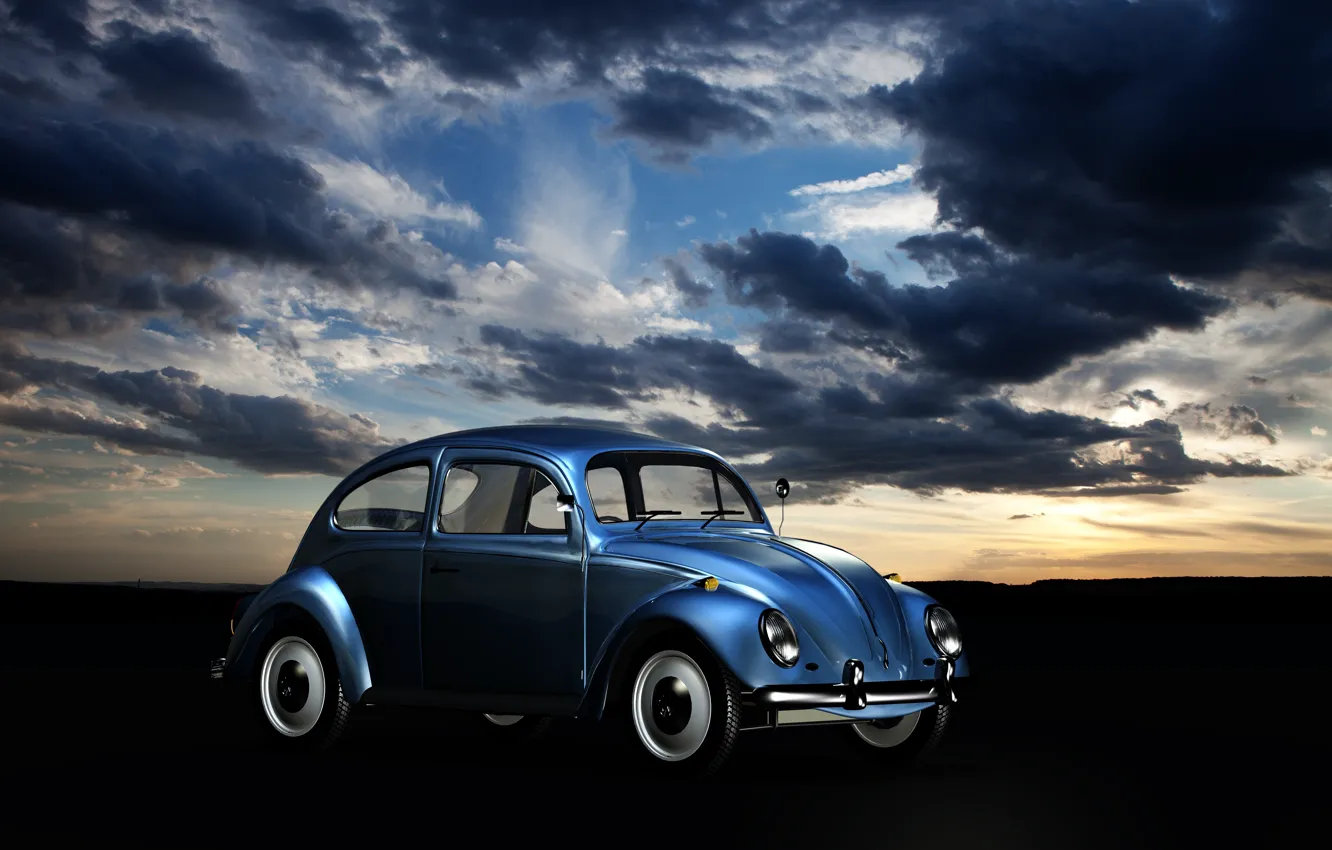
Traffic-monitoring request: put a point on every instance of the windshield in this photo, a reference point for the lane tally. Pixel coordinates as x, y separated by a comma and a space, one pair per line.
633, 486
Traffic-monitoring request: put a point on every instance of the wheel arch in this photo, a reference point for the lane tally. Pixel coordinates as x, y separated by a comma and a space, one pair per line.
723, 621
612, 674
307, 596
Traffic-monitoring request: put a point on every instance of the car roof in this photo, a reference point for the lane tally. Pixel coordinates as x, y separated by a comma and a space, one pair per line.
560, 440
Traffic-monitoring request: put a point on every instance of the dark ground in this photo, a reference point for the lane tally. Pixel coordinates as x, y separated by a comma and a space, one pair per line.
1153, 712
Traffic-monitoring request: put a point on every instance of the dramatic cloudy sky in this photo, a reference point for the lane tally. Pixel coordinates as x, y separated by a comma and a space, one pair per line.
1013, 290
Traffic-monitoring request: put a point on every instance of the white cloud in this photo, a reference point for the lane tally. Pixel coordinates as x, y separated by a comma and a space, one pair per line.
570, 207
686, 221
619, 232
876, 180
1318, 432
844, 65
386, 194
870, 212
517, 296
508, 246
137, 477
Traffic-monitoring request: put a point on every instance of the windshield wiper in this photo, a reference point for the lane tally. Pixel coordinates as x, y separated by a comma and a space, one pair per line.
650, 514
711, 515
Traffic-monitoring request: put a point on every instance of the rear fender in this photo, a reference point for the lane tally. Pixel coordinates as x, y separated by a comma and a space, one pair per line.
308, 593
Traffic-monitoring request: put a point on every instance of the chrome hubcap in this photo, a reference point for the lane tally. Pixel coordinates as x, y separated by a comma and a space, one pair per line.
671, 705
887, 736
292, 686
503, 719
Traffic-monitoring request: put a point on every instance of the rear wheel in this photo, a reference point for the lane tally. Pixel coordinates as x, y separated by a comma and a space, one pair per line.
900, 740
298, 693
515, 728
684, 710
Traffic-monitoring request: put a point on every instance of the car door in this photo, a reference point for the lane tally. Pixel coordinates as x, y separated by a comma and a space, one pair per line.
374, 540
503, 586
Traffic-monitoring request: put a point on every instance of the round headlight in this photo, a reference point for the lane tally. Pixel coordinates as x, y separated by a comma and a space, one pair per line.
943, 631
779, 638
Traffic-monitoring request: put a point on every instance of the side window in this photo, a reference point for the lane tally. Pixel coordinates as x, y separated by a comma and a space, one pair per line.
394, 501
606, 487
543, 512
499, 498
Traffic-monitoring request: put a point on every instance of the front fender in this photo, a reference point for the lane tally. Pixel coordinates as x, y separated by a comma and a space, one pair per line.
914, 603
313, 592
726, 620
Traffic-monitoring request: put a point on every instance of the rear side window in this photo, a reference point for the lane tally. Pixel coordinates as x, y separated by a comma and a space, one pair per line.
392, 501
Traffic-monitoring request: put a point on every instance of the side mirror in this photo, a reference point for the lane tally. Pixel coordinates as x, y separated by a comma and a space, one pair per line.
564, 503
783, 488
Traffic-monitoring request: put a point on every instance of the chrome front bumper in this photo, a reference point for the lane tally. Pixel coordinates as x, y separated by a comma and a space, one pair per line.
854, 693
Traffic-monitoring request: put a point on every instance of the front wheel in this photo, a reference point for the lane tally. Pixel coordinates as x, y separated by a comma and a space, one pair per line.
901, 739
684, 711
299, 694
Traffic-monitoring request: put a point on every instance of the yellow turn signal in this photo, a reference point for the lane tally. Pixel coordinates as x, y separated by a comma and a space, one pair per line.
893, 577
710, 583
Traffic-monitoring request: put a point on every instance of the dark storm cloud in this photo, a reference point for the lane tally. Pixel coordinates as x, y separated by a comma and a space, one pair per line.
486, 42
177, 74
28, 88
1001, 320
671, 109
345, 46
1172, 136
61, 23
65, 278
678, 110
787, 337
64, 320
243, 197
557, 370
694, 292
92, 207
263, 433
836, 439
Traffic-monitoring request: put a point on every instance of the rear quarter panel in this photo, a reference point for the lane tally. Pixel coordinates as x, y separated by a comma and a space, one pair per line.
313, 591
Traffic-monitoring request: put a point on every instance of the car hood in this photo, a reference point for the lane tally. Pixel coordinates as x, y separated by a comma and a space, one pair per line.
837, 599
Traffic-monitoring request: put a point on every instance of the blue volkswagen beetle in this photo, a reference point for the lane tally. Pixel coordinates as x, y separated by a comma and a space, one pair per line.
531, 572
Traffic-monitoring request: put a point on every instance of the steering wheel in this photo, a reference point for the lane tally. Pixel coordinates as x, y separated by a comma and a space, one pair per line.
609, 518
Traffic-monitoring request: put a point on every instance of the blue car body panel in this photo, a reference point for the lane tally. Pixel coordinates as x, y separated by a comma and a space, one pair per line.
312, 591
429, 611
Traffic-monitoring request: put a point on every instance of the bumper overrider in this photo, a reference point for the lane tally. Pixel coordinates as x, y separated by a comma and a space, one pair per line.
854, 693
